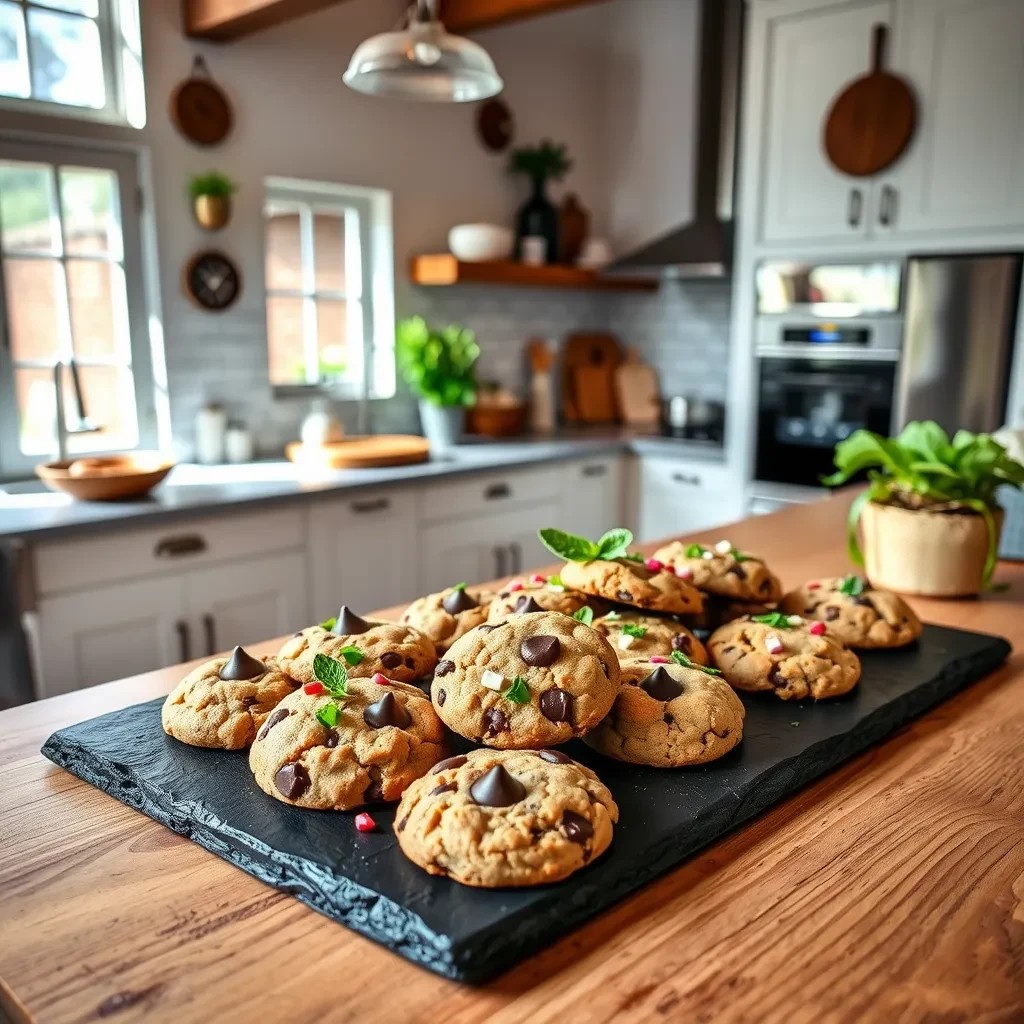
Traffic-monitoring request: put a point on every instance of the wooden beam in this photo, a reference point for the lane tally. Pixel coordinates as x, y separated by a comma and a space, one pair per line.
226, 20
466, 15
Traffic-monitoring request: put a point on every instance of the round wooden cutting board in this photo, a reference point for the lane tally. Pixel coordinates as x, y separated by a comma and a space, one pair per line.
199, 108
362, 452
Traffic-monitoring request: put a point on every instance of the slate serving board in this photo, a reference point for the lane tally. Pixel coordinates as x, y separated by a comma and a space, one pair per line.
363, 880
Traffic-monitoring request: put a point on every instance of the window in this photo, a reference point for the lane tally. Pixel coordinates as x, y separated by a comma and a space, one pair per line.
79, 58
330, 288
72, 294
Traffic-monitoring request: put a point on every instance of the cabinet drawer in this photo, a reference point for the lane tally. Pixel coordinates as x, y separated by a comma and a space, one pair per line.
133, 553
489, 493
658, 470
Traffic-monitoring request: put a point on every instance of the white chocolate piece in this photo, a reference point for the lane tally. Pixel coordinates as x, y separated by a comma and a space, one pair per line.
492, 680
625, 641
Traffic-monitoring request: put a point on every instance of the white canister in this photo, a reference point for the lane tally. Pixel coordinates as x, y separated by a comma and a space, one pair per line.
211, 431
238, 444
533, 250
320, 426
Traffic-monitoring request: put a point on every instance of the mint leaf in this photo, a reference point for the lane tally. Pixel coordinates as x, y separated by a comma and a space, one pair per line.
518, 692
631, 630
740, 556
694, 551
459, 586
615, 543
555, 581
329, 624
332, 674
568, 545
681, 659
351, 654
584, 615
635, 557
852, 586
777, 619
328, 715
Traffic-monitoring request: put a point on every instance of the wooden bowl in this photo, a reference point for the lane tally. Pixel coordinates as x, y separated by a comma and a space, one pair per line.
496, 420
106, 477
361, 452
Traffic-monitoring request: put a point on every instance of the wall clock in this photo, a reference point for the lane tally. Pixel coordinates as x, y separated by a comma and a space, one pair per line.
212, 281
199, 108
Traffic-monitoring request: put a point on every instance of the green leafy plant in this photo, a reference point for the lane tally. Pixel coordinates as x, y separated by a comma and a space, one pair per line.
573, 548
437, 364
922, 468
212, 183
541, 162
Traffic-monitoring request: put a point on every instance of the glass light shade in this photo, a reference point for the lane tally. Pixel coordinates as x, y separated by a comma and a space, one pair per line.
423, 62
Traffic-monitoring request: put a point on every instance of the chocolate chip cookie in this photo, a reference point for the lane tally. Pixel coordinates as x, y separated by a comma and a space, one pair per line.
630, 582
855, 612
535, 680
393, 648
223, 702
673, 715
363, 748
446, 616
722, 570
540, 593
793, 662
636, 637
509, 818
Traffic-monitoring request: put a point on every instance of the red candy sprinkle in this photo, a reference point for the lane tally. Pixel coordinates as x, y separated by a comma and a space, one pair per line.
817, 628
537, 578
814, 586
313, 688
380, 679
364, 823
657, 659
654, 565
515, 585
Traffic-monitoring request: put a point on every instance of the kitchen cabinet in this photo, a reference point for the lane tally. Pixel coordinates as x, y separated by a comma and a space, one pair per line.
591, 497
678, 496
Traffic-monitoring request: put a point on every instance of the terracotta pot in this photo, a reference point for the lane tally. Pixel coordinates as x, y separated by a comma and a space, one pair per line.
212, 212
934, 554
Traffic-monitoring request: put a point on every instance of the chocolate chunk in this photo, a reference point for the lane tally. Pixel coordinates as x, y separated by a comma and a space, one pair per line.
555, 705
449, 762
864, 602
387, 711
738, 571
277, 715
409, 663
681, 642
624, 595
294, 635
242, 665
486, 628
350, 624
390, 660
459, 600
497, 788
660, 685
728, 648
667, 718
503, 594
292, 780
441, 698
496, 722
445, 787
527, 604
776, 678
604, 666
831, 613
554, 757
764, 586
331, 740
577, 829
444, 667
540, 651
374, 792
403, 823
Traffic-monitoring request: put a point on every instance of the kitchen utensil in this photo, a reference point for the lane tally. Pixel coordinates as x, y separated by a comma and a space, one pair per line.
595, 393
238, 443
587, 349
361, 452
872, 120
573, 228
636, 392
199, 108
533, 250
542, 396
480, 243
211, 430
107, 477
496, 420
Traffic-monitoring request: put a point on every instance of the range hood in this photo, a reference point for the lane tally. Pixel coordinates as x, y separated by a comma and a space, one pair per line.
703, 247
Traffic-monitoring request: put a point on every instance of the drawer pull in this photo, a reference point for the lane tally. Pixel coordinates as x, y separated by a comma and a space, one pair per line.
499, 560
595, 470
495, 492
210, 629
684, 478
371, 505
176, 547
184, 640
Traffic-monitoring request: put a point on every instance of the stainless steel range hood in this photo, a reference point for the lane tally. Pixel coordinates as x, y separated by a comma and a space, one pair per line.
703, 247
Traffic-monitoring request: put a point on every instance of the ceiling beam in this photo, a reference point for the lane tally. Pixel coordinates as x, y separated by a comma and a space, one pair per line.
225, 20
467, 15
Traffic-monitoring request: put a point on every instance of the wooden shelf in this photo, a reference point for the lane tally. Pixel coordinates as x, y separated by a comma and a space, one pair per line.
441, 269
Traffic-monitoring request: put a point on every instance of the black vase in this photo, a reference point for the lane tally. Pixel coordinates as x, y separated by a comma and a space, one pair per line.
538, 216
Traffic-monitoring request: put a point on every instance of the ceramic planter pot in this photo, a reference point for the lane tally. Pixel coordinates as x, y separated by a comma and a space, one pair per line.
442, 424
933, 554
212, 212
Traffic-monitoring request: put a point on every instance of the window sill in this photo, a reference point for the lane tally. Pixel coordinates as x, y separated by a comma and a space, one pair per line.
333, 392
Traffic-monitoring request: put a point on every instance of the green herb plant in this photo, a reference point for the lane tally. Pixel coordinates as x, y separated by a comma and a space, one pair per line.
541, 162
573, 548
924, 469
212, 183
438, 365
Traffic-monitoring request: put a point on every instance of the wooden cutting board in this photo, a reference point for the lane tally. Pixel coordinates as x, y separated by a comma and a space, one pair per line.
594, 394
637, 392
362, 452
592, 351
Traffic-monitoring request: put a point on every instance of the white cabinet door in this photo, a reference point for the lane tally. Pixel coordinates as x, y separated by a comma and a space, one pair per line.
684, 497
111, 632
361, 552
965, 168
591, 497
519, 534
244, 602
810, 56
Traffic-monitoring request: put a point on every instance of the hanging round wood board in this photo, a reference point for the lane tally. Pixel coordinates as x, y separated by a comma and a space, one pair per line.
199, 108
495, 125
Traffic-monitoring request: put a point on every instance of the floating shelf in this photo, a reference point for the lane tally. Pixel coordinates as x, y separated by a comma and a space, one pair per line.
441, 269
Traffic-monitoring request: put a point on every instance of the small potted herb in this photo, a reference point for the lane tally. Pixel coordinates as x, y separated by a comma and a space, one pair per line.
929, 518
538, 217
439, 366
211, 199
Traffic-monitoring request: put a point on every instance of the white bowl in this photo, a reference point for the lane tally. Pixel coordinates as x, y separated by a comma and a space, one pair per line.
479, 243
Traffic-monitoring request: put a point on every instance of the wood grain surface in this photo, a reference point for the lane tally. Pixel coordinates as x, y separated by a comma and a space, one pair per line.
893, 890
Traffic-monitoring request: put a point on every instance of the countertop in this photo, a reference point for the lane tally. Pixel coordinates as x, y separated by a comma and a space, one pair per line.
892, 889
29, 510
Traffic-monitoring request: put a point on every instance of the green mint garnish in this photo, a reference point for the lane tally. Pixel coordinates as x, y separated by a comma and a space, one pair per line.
332, 674
613, 544
694, 551
584, 615
681, 659
518, 692
778, 619
853, 586
351, 654
555, 581
459, 586
638, 631
329, 624
634, 557
740, 556
327, 716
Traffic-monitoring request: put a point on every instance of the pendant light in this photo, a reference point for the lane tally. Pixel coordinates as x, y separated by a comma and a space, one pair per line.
422, 61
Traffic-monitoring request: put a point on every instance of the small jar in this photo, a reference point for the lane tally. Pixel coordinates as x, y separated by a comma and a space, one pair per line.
211, 430
238, 444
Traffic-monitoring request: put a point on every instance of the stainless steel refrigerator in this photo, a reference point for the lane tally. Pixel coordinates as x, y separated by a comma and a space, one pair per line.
960, 318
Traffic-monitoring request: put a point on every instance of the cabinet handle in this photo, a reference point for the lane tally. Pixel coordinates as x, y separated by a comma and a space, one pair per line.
887, 206
184, 640
499, 560
496, 492
210, 630
595, 470
516, 553
371, 505
683, 478
176, 547
854, 207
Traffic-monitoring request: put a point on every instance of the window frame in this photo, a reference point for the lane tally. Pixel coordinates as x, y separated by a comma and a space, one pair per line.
375, 284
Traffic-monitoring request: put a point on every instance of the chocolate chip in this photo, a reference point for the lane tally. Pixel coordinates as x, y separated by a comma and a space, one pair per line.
728, 648
248, 702
374, 792
810, 610
405, 617
331, 740
540, 651
776, 678
681, 642
390, 660
624, 595
485, 628
459, 600
738, 571
667, 718
660, 685
445, 787
350, 624
554, 757
525, 605
864, 602
409, 663
503, 594
764, 586
497, 788
292, 780
555, 705
577, 828
242, 665
444, 667
277, 715
831, 613
495, 721
449, 762
403, 823
294, 635
441, 698
387, 711
604, 666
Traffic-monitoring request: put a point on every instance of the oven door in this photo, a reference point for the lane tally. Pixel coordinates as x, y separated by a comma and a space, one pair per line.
807, 406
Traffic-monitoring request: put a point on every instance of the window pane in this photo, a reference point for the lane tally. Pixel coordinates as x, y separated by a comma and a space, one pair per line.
284, 337
27, 215
99, 311
134, 90
331, 338
284, 251
33, 290
88, 7
33, 390
329, 259
13, 55
109, 397
89, 207
67, 66
128, 11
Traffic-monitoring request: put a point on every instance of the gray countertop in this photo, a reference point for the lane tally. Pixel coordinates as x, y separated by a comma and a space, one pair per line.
29, 510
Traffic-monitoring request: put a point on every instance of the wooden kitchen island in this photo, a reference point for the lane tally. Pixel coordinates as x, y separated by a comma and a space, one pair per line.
891, 890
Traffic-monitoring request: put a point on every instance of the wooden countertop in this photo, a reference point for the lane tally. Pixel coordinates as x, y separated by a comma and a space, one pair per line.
892, 889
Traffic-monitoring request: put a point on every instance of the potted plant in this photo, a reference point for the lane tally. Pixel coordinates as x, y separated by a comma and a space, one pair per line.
438, 365
929, 519
211, 199
538, 216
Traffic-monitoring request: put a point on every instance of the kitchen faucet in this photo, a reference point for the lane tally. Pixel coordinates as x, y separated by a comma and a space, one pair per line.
84, 425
